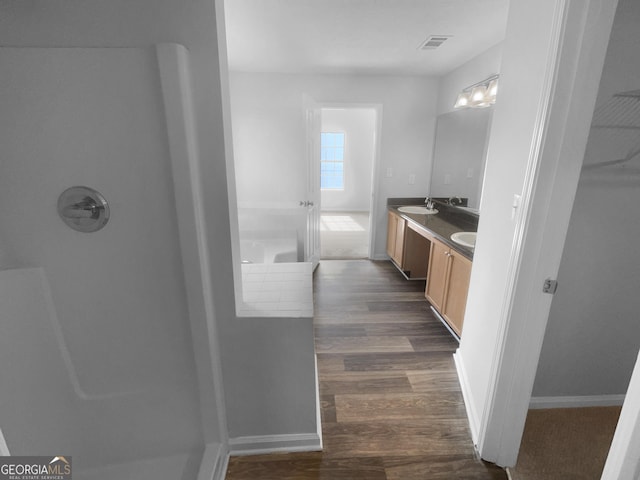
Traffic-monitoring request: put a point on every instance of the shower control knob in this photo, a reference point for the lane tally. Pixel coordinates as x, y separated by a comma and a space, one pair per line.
83, 209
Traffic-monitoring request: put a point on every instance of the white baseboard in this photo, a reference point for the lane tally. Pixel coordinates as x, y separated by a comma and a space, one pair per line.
577, 401
260, 444
379, 256
469, 405
214, 462
318, 403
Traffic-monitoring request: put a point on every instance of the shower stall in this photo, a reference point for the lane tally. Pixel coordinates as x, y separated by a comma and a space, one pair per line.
97, 327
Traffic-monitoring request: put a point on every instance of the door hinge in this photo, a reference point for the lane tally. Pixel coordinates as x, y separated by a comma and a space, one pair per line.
550, 286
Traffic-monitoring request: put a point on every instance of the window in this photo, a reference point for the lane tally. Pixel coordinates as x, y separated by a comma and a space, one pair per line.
331, 161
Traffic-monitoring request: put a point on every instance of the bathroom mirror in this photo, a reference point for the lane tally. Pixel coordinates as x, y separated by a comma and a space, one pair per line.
459, 154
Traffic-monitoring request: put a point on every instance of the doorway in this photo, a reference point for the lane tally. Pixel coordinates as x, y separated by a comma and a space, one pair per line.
348, 152
591, 341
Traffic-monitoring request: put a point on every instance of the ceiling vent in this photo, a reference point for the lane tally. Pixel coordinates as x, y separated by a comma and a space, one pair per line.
433, 42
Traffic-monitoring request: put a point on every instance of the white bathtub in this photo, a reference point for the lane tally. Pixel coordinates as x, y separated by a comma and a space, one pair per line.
269, 246
273, 234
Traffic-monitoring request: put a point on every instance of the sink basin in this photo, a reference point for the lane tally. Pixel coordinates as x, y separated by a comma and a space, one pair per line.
466, 239
417, 209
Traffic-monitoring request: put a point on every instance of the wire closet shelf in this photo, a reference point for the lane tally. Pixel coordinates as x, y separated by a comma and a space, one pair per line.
614, 140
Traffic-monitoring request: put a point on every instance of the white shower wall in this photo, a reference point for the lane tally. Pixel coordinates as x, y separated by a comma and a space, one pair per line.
94, 117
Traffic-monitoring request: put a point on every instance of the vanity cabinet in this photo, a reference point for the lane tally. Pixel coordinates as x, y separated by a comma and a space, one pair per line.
407, 247
395, 237
448, 283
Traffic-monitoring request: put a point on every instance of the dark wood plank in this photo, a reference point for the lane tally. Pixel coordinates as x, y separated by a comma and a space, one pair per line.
340, 331
376, 382
305, 466
399, 361
399, 438
328, 408
364, 344
433, 381
409, 329
398, 306
434, 343
399, 406
441, 467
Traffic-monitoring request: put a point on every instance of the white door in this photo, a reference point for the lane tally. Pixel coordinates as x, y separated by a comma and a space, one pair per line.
312, 202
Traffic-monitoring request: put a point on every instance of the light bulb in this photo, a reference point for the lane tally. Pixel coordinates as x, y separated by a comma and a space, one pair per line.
462, 100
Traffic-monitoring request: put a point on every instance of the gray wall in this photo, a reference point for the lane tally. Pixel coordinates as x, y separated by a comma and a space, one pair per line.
593, 334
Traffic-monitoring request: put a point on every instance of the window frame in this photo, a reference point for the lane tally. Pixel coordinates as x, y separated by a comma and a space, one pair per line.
342, 161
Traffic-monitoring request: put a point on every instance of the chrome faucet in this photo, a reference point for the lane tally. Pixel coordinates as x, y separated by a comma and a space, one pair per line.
429, 203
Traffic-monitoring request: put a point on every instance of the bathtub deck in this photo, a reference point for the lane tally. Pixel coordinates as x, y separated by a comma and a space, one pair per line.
277, 290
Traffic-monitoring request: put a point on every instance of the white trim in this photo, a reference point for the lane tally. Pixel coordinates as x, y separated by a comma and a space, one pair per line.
469, 404
318, 405
175, 79
377, 153
623, 462
577, 401
380, 257
214, 463
503, 391
261, 444
232, 198
574, 63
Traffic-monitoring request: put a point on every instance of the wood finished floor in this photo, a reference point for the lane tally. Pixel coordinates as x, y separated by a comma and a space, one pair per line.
391, 403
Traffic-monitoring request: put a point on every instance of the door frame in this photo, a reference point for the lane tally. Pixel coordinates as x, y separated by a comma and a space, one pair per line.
623, 461
373, 207
313, 127
572, 77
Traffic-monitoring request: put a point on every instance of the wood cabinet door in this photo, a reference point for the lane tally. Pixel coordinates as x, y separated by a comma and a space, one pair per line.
437, 274
399, 250
456, 295
392, 227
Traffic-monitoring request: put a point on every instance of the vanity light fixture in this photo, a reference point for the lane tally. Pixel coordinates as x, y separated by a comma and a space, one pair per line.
479, 95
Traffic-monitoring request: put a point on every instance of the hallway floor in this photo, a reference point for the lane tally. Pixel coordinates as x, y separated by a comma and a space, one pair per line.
344, 235
391, 403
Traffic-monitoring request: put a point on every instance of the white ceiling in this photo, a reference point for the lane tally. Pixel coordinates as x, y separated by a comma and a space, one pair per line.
359, 36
